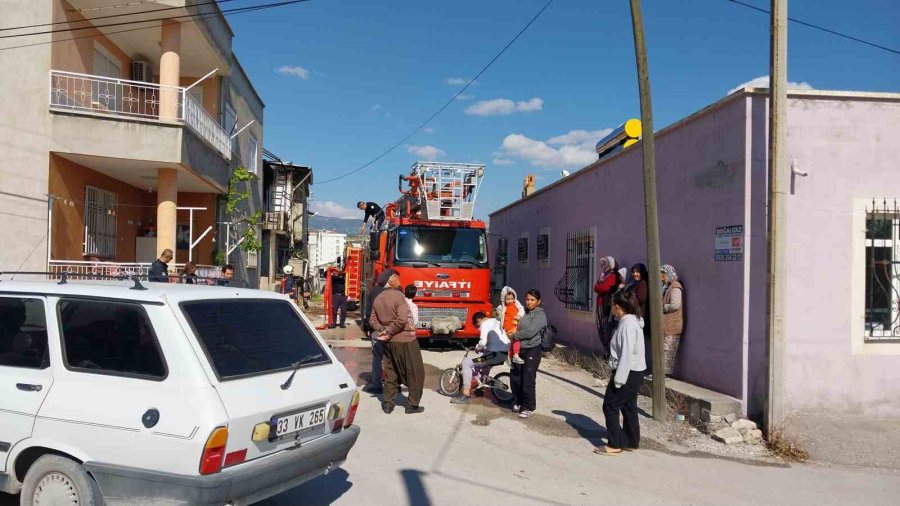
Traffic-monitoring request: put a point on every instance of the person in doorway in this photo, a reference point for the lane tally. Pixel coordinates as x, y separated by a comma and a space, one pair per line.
638, 285
673, 315
338, 299
523, 377
374, 211
410, 292
375, 385
510, 311
494, 345
189, 274
288, 283
402, 356
607, 284
159, 269
626, 361
227, 275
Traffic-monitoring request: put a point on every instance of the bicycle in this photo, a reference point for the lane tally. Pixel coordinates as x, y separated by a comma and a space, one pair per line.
450, 383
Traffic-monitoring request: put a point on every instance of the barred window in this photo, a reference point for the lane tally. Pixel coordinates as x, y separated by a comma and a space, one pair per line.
882, 273
574, 289
99, 222
543, 247
523, 249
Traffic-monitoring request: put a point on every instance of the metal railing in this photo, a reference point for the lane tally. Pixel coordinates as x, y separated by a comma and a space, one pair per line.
125, 269
121, 98
204, 125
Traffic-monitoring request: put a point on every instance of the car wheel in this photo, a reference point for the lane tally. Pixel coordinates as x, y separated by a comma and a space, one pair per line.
57, 481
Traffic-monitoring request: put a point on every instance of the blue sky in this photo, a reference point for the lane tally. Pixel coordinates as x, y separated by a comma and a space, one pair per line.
343, 80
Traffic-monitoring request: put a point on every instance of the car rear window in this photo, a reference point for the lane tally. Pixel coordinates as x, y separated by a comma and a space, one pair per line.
251, 337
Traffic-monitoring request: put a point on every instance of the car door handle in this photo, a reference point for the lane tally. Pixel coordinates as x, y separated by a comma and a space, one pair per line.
27, 387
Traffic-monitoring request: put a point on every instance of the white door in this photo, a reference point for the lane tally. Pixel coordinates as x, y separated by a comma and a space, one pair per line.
25, 373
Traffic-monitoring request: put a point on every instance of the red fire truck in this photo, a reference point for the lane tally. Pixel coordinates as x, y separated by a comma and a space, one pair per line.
430, 237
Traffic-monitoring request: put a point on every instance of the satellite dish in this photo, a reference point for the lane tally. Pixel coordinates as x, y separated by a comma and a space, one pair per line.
564, 173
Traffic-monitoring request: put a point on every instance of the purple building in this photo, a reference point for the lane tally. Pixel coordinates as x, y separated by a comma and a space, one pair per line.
842, 335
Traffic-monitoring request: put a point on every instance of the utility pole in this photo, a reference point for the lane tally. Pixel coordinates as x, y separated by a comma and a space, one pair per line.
651, 214
777, 218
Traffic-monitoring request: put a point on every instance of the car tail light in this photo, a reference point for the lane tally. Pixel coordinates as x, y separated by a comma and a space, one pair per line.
235, 457
354, 405
335, 415
214, 451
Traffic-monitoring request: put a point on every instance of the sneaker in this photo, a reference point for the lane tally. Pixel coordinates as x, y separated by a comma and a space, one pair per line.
387, 409
332, 326
516, 408
343, 325
372, 389
460, 399
416, 410
526, 414
517, 360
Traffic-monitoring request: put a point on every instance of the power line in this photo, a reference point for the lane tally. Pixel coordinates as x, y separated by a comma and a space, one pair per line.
446, 105
821, 28
133, 22
91, 20
242, 10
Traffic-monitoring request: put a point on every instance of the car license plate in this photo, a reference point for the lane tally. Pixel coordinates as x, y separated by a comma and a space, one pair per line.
295, 422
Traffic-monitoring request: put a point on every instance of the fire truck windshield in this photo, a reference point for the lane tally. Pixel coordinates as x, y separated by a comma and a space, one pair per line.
441, 245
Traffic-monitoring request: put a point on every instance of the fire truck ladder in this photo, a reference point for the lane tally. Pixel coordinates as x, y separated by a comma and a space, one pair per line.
449, 189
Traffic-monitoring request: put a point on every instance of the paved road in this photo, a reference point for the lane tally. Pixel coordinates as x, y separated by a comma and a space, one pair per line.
482, 454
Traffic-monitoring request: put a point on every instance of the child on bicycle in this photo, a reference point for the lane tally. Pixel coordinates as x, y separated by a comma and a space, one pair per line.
509, 312
493, 345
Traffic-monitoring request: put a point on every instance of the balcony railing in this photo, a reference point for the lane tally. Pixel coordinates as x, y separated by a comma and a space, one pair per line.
120, 98
125, 269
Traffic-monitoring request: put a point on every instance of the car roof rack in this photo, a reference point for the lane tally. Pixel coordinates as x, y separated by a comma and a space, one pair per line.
65, 275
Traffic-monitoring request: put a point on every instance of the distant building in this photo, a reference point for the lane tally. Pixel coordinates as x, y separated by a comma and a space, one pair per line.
842, 352
325, 247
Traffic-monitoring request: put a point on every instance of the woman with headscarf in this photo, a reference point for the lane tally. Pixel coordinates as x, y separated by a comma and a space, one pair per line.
607, 284
673, 314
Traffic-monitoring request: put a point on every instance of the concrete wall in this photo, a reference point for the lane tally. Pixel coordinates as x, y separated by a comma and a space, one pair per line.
23, 140
849, 146
702, 184
77, 54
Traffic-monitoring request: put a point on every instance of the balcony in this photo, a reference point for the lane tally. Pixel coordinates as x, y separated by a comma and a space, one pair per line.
112, 98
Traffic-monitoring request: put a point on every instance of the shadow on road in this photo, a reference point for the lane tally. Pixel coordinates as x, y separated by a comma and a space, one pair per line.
586, 427
321, 491
415, 487
586, 388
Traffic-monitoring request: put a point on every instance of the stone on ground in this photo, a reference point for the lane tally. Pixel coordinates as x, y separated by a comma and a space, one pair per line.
753, 436
731, 418
743, 424
728, 436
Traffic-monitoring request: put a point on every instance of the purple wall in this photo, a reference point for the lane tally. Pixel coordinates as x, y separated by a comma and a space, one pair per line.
701, 186
712, 171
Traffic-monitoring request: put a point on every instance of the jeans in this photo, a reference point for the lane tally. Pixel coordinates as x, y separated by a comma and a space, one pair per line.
523, 378
377, 356
338, 302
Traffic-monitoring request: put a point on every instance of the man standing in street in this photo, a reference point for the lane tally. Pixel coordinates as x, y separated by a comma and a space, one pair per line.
338, 298
402, 357
374, 211
227, 275
375, 386
159, 269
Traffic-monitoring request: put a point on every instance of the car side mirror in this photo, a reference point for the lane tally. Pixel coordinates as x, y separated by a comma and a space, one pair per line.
374, 246
502, 256
374, 255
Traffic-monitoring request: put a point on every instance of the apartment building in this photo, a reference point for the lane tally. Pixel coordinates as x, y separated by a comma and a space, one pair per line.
120, 140
286, 188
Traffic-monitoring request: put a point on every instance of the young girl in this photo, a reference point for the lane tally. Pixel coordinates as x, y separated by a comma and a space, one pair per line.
509, 312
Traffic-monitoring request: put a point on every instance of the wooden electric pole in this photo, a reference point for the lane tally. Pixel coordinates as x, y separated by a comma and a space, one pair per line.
651, 214
776, 205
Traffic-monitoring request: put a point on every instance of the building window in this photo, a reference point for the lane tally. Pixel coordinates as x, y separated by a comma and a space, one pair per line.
543, 247
106, 94
99, 222
523, 249
252, 154
574, 289
882, 321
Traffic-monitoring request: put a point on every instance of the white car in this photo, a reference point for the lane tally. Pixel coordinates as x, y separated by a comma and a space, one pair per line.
149, 393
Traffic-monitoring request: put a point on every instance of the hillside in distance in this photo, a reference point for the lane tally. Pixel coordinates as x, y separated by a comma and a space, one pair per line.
349, 226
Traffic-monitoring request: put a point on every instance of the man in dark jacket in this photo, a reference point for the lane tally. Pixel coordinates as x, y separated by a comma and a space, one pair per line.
338, 299
374, 211
227, 275
375, 386
159, 269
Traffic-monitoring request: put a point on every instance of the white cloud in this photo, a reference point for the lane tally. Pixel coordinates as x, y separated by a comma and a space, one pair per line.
763, 82
464, 96
574, 149
504, 106
300, 72
456, 81
503, 161
428, 130
333, 209
429, 153
376, 107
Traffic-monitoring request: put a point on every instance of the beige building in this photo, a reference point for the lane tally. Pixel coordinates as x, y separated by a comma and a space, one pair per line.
120, 138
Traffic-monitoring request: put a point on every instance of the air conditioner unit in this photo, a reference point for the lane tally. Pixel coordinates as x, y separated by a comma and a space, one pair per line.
141, 71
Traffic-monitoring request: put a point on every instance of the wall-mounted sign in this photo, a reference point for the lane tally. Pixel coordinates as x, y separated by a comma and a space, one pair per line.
730, 243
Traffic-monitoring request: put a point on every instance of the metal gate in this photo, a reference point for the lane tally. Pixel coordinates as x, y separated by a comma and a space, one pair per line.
574, 289
882, 271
